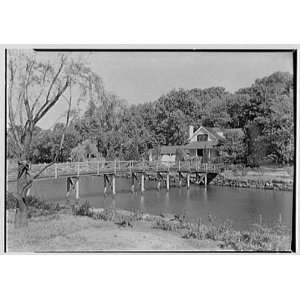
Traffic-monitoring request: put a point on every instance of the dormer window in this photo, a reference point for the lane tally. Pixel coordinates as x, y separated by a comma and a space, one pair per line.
202, 137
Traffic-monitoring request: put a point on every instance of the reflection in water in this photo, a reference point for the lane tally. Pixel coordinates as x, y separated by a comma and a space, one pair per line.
243, 206
167, 201
142, 206
188, 192
205, 195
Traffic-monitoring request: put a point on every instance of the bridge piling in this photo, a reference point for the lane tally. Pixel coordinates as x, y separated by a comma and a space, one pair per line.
188, 180
132, 182
105, 183
180, 179
142, 182
168, 181
114, 184
77, 188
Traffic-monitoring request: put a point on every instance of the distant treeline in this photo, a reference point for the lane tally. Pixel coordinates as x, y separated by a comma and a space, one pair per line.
113, 129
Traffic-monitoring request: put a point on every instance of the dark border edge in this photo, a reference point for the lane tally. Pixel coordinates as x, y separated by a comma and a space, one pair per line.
5, 154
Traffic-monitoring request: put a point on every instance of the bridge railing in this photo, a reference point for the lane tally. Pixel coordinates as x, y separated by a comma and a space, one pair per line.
98, 167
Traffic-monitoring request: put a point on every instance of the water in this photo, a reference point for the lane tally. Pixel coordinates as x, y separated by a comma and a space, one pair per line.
242, 206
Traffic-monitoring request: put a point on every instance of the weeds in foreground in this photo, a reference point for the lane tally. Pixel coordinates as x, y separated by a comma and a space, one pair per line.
82, 210
109, 214
260, 238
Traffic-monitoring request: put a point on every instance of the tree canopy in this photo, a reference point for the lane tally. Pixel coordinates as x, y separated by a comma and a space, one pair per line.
120, 131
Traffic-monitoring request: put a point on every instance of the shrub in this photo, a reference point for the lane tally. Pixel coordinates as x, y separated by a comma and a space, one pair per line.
260, 238
82, 210
108, 214
32, 202
10, 201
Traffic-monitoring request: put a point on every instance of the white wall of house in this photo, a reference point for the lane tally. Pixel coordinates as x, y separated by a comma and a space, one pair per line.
168, 158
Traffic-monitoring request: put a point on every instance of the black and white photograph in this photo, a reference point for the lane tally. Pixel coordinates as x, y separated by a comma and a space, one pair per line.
152, 149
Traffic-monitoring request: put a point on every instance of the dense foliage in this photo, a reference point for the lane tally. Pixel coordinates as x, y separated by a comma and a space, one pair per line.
119, 131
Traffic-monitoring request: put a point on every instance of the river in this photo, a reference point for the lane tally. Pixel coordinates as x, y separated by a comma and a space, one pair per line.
242, 206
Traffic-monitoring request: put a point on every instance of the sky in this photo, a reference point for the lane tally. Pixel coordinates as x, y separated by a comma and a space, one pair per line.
140, 77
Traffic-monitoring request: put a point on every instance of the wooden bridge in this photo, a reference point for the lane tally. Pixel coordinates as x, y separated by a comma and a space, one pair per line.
160, 171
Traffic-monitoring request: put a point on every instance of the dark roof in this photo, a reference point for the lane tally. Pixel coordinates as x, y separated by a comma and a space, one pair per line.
201, 145
214, 131
233, 132
169, 149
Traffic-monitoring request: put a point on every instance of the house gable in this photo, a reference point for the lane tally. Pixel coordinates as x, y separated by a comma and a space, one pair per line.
203, 130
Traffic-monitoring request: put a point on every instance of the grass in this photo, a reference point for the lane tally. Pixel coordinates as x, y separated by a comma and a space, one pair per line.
53, 228
259, 238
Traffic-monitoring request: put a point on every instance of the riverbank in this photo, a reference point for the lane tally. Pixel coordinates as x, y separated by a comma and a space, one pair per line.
87, 229
66, 232
265, 178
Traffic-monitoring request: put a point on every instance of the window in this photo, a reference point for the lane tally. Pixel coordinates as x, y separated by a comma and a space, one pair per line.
202, 137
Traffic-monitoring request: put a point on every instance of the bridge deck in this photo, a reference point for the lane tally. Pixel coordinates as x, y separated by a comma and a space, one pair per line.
116, 167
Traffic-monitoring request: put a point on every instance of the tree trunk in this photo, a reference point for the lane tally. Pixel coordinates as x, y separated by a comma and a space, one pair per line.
23, 185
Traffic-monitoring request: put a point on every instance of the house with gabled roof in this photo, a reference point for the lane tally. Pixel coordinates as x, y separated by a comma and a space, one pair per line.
202, 143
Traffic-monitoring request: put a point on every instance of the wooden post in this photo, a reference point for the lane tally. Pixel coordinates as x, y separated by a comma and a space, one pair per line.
115, 167
158, 183
78, 168
55, 171
168, 181
98, 167
142, 183
188, 180
132, 182
180, 179
205, 179
77, 188
114, 184
105, 184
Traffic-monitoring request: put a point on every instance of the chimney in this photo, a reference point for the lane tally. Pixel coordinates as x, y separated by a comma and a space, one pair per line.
191, 130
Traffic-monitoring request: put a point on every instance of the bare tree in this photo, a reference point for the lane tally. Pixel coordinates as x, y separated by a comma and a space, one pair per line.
36, 83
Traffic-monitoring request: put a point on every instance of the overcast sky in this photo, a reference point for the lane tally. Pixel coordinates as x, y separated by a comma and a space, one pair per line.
139, 77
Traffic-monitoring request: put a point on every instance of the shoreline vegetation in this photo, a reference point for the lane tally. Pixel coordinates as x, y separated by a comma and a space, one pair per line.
83, 228
264, 178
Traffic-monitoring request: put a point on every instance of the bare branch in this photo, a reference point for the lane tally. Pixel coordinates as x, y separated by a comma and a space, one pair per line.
46, 108
55, 77
46, 69
60, 144
49, 90
10, 108
25, 95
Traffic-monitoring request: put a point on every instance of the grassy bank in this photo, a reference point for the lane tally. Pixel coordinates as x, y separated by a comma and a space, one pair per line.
82, 228
66, 232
